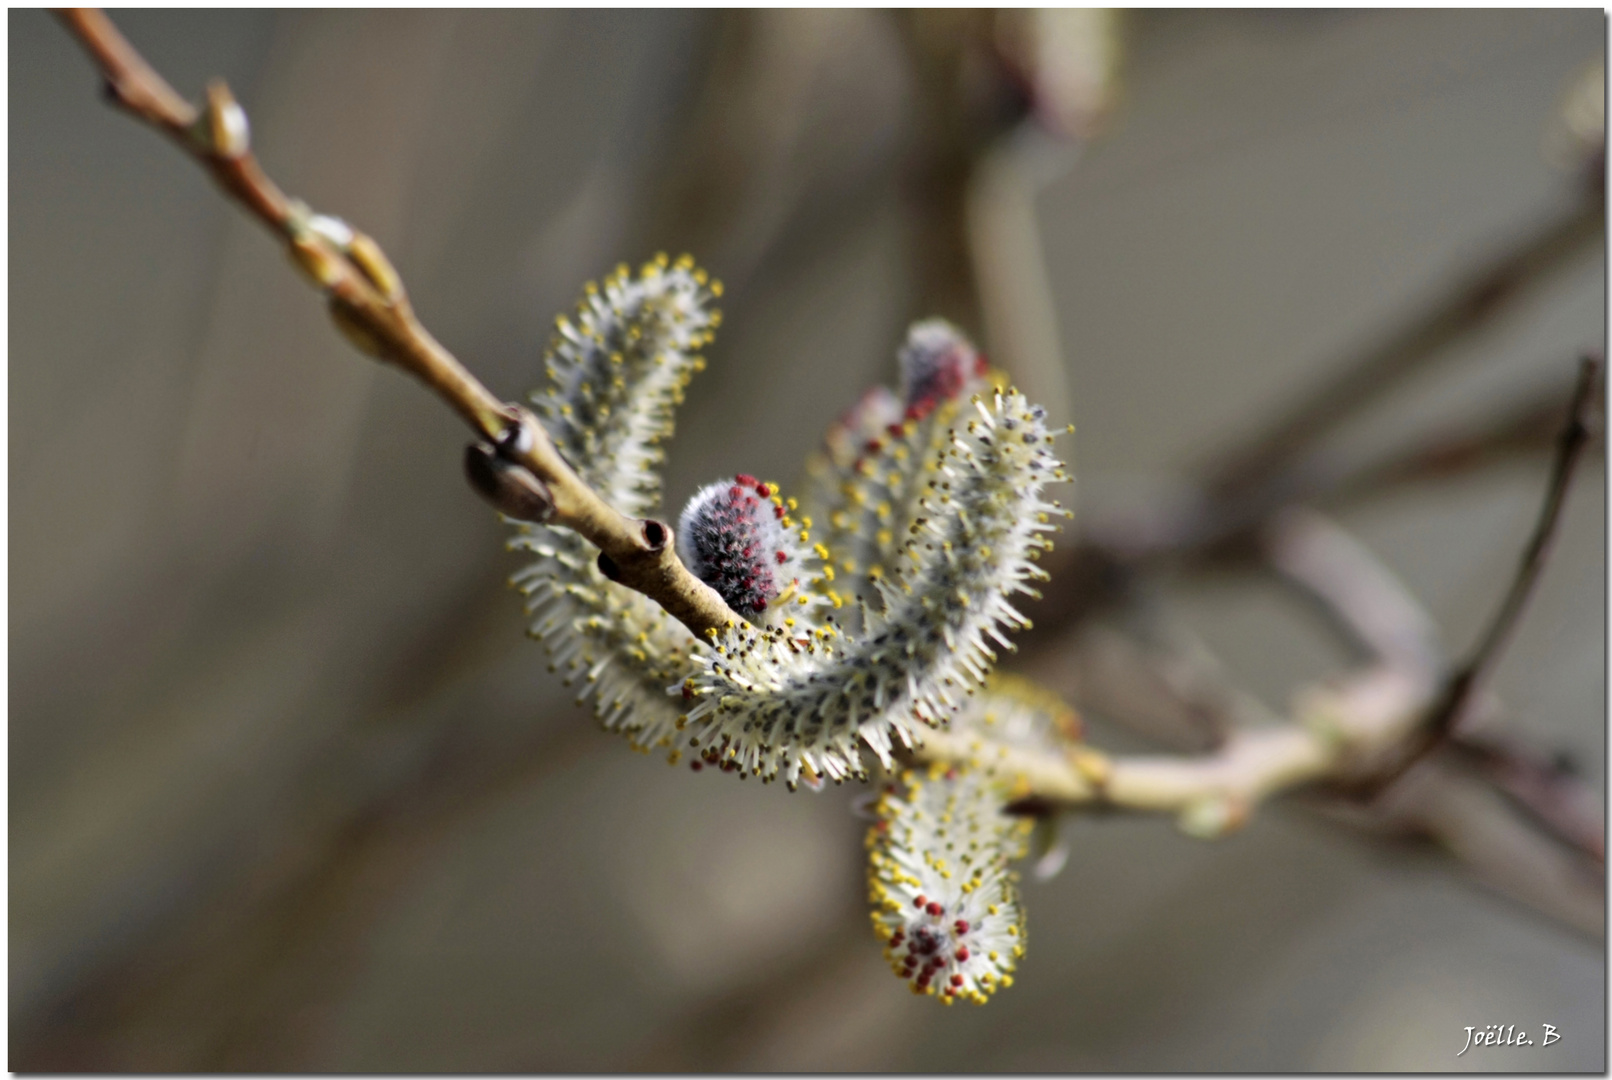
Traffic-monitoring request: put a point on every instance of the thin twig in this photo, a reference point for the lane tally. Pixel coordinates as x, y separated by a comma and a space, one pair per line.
1461, 688
1364, 599
1529, 426
368, 303
1485, 833
1549, 791
1465, 306
1101, 570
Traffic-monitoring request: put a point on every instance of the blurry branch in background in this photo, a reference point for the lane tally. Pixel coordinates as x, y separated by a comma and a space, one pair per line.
1456, 699
1260, 472
1464, 308
517, 467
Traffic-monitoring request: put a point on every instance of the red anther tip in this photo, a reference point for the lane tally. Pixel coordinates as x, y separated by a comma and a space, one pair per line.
957, 980
763, 490
961, 926
735, 491
747, 480
962, 954
778, 512
695, 765
782, 557
934, 908
920, 902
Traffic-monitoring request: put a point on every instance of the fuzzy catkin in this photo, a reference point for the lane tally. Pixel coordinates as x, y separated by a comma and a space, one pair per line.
616, 375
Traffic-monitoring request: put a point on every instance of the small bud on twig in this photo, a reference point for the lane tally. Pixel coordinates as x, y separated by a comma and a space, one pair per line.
373, 263
314, 258
355, 329
511, 490
222, 126
334, 229
1213, 816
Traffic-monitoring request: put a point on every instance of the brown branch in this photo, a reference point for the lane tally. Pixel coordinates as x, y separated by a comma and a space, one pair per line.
1461, 688
1466, 306
1365, 599
1548, 791
1529, 426
1482, 830
1102, 568
369, 305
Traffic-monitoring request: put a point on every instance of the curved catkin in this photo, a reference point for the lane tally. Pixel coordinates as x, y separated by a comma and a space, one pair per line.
865, 486
802, 702
617, 371
944, 902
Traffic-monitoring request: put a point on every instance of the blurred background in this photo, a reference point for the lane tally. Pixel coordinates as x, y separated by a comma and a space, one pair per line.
289, 788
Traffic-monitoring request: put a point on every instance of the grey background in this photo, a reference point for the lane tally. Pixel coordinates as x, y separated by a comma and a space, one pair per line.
290, 790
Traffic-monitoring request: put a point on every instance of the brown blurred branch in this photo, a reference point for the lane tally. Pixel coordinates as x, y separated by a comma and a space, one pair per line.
1549, 791
1255, 479
1528, 427
1460, 689
368, 303
1466, 305
1334, 732
1483, 830
1389, 623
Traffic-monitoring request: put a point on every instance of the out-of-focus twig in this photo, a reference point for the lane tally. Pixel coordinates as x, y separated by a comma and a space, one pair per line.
1529, 426
302, 938
1482, 830
1547, 790
1388, 623
1461, 687
1467, 305
1367, 602
369, 305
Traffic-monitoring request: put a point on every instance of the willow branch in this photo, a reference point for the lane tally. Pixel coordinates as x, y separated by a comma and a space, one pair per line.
369, 305
1528, 427
1550, 792
1336, 733
1465, 306
1462, 687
